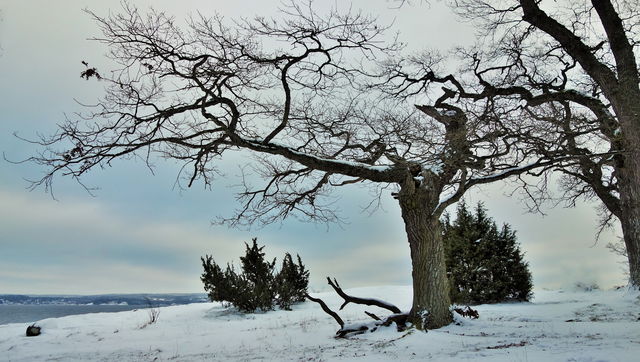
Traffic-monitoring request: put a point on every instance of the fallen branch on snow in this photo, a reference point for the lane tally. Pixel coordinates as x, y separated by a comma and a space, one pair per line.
399, 318
467, 312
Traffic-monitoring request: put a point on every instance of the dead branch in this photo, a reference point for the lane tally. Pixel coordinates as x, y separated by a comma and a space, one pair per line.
372, 315
467, 312
326, 309
366, 301
399, 318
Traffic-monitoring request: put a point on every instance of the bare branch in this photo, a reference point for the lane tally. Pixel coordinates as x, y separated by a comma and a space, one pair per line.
365, 301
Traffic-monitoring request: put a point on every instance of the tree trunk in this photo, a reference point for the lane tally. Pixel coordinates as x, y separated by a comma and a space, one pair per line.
631, 234
629, 187
628, 109
431, 300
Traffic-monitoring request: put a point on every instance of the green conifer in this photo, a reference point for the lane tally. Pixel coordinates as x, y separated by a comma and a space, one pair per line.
484, 264
257, 287
259, 278
291, 282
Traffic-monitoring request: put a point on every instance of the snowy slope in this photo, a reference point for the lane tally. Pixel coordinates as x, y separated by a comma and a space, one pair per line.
557, 326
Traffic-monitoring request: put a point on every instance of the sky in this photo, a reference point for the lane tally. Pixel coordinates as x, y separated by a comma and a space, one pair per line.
140, 234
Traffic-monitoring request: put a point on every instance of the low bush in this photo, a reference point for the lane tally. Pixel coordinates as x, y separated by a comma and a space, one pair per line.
257, 286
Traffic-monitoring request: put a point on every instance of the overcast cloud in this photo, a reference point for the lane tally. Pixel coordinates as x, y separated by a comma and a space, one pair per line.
141, 234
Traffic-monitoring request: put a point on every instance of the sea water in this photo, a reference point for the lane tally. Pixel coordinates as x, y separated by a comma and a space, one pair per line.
31, 313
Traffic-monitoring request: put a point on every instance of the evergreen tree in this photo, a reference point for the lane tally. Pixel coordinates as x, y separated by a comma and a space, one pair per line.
291, 282
241, 291
484, 264
217, 284
258, 276
301, 282
257, 287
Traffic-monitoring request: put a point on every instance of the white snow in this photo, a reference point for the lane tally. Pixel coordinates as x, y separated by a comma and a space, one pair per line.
445, 198
556, 326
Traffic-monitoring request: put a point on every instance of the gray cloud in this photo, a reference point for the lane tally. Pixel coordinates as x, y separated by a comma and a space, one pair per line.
141, 235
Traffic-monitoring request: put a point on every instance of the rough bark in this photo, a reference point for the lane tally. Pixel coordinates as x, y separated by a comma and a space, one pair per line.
631, 235
431, 302
627, 107
629, 185
620, 87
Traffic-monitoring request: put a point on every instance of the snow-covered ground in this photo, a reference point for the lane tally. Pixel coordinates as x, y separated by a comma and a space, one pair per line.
556, 326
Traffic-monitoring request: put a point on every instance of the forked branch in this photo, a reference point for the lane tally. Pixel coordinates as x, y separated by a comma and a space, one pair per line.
365, 301
399, 318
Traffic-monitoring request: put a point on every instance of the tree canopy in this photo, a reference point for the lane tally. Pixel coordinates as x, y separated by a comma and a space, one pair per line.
564, 77
321, 102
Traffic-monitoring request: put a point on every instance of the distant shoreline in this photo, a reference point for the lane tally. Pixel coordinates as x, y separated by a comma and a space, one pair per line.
15, 308
158, 300
31, 313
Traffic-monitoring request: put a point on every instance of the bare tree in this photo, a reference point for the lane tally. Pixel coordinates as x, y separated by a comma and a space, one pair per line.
569, 73
297, 92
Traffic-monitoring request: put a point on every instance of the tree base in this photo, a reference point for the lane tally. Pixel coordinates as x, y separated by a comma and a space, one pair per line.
403, 321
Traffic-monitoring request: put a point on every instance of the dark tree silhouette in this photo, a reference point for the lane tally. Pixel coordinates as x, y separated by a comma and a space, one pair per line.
569, 72
298, 93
